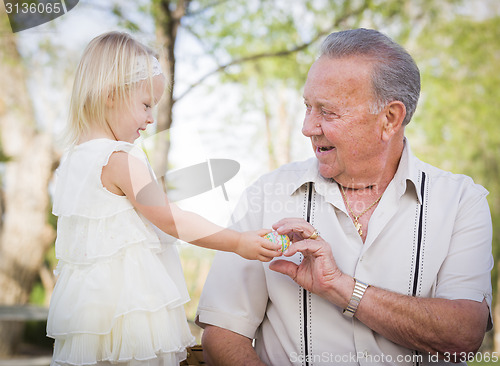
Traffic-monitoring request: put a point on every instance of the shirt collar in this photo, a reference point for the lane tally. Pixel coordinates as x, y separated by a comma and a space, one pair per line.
407, 171
311, 174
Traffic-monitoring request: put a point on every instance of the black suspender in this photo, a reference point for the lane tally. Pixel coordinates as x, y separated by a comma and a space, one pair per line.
419, 236
305, 294
419, 250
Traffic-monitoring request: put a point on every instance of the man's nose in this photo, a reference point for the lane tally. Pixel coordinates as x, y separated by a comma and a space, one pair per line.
312, 125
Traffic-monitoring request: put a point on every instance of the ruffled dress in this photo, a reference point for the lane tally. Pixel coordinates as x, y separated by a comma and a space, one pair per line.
120, 290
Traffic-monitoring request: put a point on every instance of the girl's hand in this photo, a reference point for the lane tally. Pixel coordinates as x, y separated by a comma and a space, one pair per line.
252, 245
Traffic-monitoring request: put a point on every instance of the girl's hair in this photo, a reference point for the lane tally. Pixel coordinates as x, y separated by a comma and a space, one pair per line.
395, 76
107, 69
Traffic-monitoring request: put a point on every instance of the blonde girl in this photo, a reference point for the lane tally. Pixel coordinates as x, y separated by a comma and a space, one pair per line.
120, 290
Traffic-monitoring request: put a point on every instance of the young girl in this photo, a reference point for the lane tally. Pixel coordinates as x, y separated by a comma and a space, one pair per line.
120, 292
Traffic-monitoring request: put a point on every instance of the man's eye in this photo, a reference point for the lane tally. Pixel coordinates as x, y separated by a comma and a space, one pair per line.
328, 113
147, 106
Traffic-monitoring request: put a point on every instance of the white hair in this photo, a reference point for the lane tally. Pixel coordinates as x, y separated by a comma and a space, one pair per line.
395, 75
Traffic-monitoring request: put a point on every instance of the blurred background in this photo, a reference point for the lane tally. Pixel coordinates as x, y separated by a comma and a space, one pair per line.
236, 71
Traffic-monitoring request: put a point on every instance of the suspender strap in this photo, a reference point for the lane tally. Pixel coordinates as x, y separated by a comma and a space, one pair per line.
419, 236
305, 294
419, 248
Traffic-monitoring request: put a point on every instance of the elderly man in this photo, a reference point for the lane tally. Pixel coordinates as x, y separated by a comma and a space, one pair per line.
400, 272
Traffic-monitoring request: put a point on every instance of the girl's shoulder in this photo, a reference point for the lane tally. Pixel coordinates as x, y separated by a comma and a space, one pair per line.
103, 145
78, 186
97, 152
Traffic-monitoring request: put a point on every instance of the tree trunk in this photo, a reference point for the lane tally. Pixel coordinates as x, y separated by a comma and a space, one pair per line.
285, 128
168, 19
25, 234
278, 138
270, 136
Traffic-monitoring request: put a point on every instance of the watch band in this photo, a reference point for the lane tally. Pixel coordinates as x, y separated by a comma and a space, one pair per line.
357, 294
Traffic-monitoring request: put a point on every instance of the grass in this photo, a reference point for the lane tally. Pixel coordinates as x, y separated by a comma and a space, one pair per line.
482, 363
484, 358
196, 263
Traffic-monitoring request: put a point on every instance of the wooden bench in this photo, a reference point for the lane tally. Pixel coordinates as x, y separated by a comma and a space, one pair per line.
24, 313
25, 361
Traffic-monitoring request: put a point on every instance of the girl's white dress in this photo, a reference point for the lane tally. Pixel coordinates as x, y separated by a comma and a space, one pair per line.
120, 290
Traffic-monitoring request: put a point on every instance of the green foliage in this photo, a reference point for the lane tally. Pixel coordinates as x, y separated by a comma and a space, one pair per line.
37, 295
277, 40
457, 122
3, 157
248, 34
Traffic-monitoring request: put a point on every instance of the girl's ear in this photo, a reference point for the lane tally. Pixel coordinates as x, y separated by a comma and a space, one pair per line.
395, 113
110, 100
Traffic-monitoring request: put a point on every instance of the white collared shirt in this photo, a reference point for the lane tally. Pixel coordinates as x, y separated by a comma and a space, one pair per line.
429, 236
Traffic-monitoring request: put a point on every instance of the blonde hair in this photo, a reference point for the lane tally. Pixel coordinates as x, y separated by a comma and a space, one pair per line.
108, 68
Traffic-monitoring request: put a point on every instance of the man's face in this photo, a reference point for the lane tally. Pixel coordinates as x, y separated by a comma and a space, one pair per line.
345, 134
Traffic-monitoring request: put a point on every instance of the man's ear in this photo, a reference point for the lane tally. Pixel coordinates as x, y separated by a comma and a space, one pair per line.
394, 114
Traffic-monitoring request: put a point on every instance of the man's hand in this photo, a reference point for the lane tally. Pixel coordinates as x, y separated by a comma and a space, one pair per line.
318, 272
434, 325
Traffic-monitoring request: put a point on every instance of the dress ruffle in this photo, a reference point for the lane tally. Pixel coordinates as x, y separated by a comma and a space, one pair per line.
120, 291
84, 240
90, 298
136, 338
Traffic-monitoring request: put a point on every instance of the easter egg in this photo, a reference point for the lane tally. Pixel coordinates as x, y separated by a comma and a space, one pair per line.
274, 237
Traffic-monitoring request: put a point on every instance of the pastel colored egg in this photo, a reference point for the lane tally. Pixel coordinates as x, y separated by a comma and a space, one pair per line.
274, 237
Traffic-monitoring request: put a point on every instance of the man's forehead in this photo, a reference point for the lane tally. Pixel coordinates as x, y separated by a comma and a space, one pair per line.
347, 73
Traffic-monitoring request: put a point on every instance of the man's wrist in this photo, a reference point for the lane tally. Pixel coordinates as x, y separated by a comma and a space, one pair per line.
340, 290
357, 294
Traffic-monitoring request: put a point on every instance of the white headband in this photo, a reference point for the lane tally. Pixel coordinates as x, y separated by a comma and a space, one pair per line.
141, 70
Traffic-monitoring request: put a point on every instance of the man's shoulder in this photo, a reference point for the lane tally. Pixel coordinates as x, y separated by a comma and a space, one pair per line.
453, 181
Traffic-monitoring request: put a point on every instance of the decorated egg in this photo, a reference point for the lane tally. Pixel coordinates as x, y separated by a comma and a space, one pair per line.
274, 237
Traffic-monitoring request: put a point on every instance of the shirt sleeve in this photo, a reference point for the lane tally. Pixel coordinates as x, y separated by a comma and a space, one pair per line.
235, 294
466, 271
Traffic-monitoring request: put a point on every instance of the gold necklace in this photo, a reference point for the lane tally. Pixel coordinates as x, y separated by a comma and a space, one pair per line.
357, 224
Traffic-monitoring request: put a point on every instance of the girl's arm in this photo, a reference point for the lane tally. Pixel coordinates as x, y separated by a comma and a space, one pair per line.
127, 175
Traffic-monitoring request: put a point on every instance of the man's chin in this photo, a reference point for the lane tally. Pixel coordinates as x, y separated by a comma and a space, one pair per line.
327, 171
